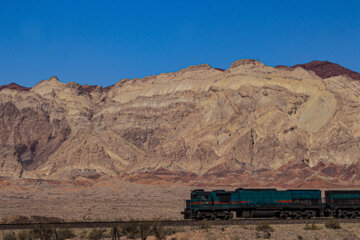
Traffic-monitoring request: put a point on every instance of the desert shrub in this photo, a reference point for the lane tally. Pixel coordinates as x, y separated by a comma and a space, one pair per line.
107, 234
236, 237
9, 236
63, 234
24, 235
204, 225
130, 229
159, 232
333, 224
299, 237
263, 235
264, 227
172, 230
83, 234
96, 234
115, 234
312, 226
42, 231
134, 230
145, 230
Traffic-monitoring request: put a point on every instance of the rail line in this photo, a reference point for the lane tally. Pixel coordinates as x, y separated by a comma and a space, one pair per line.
242, 221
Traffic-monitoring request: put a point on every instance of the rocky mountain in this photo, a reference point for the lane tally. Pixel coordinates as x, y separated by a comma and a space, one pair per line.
325, 69
15, 87
251, 124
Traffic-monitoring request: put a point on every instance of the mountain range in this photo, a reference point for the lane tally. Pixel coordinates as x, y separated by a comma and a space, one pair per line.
248, 125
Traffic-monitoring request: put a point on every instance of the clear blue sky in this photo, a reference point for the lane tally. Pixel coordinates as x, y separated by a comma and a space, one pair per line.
101, 42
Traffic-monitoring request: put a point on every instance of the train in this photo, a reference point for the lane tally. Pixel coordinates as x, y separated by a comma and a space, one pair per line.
270, 202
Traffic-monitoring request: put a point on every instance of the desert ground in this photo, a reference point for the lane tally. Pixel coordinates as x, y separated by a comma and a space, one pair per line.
104, 200
205, 232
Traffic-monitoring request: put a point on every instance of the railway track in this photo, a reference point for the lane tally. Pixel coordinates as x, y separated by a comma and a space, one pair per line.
243, 221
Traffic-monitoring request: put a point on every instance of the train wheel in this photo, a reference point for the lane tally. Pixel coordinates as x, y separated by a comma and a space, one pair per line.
340, 214
327, 212
199, 216
283, 215
310, 214
227, 216
212, 217
239, 214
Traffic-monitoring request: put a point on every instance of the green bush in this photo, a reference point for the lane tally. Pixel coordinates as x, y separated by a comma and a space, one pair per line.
9, 236
96, 234
333, 224
264, 227
312, 226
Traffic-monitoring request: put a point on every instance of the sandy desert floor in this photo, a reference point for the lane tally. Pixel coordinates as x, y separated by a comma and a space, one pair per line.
105, 200
283, 232
242, 232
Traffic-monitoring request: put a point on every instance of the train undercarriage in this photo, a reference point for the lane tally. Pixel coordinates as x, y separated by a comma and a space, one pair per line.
253, 213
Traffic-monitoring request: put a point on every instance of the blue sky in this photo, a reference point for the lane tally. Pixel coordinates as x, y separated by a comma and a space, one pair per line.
101, 42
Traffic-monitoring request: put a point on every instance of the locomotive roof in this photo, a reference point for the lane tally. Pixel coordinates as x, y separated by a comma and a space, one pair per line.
303, 190
198, 190
342, 191
256, 189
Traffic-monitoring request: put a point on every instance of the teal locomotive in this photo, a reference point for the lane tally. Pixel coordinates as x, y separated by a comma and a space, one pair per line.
297, 203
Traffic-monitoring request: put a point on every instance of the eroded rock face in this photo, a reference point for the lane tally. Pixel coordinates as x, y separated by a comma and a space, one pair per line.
250, 124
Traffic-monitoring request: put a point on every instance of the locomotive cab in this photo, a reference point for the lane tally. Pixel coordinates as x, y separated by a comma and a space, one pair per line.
199, 199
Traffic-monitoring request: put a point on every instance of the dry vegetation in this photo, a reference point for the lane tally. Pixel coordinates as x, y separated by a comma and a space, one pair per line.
329, 231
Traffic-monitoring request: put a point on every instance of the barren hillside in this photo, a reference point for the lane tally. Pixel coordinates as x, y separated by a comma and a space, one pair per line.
249, 125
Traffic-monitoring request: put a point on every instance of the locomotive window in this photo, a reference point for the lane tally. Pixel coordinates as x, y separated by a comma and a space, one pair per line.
224, 197
346, 202
205, 198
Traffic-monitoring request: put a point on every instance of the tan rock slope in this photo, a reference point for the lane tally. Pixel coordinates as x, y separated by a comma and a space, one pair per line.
251, 125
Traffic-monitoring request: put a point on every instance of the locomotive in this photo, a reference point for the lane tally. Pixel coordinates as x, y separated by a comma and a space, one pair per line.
270, 202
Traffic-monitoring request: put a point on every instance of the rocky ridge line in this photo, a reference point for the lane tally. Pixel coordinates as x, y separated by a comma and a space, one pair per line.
251, 125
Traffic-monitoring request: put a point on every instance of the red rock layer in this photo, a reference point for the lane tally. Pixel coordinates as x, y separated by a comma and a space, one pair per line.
15, 86
325, 69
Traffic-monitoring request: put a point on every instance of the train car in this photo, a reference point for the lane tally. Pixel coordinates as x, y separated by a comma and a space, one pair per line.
208, 205
342, 203
281, 204
253, 203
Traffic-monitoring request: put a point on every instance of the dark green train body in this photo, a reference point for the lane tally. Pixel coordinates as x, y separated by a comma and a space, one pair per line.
270, 202
341, 204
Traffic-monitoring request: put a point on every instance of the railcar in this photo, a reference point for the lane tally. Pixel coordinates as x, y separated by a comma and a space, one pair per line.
220, 204
342, 204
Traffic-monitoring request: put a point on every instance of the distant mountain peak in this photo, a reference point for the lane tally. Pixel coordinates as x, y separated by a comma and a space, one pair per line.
14, 86
242, 62
326, 69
